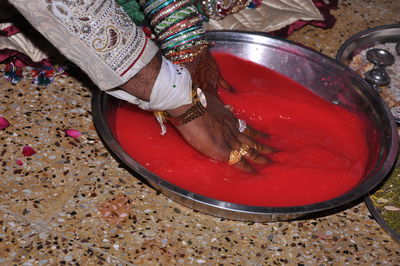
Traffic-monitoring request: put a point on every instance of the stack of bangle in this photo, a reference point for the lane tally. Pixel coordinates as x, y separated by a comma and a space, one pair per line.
178, 27
186, 55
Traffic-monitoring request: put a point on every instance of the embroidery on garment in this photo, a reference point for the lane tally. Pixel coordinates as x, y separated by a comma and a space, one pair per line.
104, 27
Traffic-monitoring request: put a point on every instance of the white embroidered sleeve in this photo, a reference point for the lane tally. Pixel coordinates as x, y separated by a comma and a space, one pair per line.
95, 34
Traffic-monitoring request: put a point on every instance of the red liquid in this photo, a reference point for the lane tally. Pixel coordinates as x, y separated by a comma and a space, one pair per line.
322, 154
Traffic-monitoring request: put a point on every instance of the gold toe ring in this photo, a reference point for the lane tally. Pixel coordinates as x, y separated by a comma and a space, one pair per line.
234, 157
244, 149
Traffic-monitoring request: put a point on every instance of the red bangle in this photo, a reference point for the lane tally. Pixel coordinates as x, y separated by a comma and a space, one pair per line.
194, 50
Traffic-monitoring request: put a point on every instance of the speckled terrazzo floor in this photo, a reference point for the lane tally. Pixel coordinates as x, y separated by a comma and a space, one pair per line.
49, 205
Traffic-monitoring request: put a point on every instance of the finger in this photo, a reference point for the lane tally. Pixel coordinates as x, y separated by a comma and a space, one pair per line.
236, 159
262, 148
252, 155
251, 132
243, 165
255, 145
256, 157
248, 130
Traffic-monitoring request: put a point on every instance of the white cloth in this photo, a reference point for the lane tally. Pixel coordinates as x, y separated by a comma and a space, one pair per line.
269, 16
172, 88
21, 43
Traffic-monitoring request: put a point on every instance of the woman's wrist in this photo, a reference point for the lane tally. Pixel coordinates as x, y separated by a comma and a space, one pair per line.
179, 110
188, 112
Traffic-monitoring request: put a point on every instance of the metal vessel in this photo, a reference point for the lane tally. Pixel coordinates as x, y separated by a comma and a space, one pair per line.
323, 76
366, 39
350, 48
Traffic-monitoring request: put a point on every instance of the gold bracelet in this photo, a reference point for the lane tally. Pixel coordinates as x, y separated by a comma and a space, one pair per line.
195, 111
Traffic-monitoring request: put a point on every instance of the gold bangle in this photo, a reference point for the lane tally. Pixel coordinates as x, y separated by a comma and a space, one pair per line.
196, 110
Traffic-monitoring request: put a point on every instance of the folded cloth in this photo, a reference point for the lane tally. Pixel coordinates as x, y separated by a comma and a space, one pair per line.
324, 7
271, 15
14, 43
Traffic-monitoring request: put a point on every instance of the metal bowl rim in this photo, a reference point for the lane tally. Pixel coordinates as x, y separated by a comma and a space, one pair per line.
367, 199
362, 34
380, 220
99, 98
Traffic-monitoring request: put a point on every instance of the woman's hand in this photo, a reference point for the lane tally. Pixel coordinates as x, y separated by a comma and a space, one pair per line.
205, 73
216, 134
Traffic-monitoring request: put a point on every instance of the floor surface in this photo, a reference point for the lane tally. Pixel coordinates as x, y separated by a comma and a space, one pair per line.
49, 206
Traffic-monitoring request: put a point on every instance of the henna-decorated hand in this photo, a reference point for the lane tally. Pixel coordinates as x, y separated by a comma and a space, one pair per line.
216, 134
205, 72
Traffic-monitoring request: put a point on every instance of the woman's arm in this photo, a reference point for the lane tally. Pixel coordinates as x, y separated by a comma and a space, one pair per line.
100, 38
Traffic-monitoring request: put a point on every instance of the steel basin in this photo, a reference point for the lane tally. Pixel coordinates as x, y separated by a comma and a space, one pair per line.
366, 39
323, 76
351, 47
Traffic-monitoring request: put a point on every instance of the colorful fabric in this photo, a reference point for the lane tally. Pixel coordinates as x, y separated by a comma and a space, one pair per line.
96, 35
132, 8
41, 76
17, 47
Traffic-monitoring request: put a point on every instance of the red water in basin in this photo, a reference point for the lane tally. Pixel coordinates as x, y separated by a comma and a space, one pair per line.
322, 148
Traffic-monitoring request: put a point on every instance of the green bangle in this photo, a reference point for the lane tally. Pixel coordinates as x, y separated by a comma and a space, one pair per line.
174, 18
182, 37
182, 42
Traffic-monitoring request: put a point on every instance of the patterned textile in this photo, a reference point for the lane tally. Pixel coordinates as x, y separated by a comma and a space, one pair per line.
16, 45
271, 15
88, 30
324, 7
